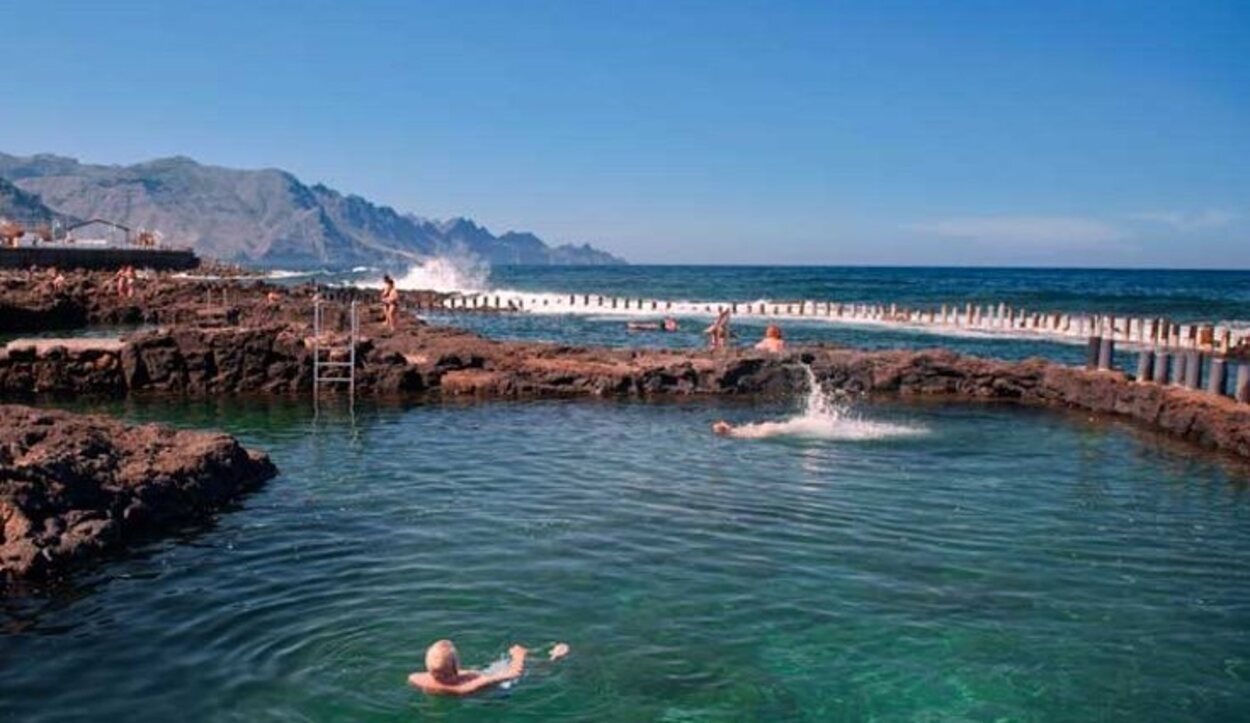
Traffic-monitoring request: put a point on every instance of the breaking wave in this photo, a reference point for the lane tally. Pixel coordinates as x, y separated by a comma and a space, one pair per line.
451, 273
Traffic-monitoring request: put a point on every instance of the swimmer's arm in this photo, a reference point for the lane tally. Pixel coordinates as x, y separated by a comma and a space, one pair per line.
515, 668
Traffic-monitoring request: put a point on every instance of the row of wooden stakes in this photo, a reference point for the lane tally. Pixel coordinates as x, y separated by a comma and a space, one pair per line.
1154, 332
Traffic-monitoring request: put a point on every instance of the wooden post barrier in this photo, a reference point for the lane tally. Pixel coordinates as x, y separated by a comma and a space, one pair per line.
1193, 370
613, 302
1092, 352
1145, 365
1161, 368
1179, 361
1215, 379
1242, 388
600, 300
1206, 337
1106, 354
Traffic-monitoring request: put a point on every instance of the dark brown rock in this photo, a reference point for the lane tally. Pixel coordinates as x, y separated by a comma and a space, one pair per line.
74, 486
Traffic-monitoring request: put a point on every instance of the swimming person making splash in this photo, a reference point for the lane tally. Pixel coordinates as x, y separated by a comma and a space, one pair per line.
443, 675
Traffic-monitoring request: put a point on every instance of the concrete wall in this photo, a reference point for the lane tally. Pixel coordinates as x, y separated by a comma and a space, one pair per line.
69, 257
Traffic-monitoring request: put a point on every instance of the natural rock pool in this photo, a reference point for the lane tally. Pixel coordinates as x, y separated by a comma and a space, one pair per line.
947, 562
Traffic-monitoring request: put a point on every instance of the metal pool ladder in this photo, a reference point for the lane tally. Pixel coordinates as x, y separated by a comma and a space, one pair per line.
325, 369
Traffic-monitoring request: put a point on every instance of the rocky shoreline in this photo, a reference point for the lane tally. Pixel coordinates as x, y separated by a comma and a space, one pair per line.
256, 343
74, 487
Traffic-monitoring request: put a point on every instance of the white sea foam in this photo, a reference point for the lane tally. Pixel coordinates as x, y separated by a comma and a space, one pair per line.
464, 274
285, 274
452, 273
825, 417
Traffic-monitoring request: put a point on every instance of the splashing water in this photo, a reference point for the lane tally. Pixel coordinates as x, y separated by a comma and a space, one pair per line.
826, 417
454, 272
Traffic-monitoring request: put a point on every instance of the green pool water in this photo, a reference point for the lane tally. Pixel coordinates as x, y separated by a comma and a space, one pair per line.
994, 563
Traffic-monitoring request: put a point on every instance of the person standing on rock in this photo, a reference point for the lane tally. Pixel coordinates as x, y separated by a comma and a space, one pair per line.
718, 332
125, 282
390, 301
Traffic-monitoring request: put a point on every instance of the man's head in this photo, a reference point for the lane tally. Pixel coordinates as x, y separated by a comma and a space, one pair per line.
773, 331
442, 662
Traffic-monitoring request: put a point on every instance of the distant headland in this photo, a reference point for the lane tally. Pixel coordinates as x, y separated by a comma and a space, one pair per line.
265, 217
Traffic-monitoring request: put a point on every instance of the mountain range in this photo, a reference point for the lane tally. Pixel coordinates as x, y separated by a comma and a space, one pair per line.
261, 217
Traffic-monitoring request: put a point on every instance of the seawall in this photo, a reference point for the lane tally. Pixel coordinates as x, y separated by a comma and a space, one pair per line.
71, 257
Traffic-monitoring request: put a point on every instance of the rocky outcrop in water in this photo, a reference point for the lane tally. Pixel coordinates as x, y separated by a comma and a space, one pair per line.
73, 487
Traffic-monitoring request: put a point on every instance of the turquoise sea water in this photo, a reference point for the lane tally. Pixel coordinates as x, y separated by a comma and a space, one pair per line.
990, 563
909, 562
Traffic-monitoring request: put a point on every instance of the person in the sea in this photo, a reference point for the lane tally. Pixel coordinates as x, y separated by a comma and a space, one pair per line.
772, 341
390, 300
670, 324
443, 675
722, 428
718, 332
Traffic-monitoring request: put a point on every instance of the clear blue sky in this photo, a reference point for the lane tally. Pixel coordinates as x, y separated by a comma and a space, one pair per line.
945, 132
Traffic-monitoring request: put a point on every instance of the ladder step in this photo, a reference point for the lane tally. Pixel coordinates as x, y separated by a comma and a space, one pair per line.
327, 380
334, 364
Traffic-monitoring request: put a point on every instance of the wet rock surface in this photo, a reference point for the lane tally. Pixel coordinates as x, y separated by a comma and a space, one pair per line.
73, 487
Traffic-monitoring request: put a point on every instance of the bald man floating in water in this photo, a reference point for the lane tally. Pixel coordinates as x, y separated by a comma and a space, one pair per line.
443, 675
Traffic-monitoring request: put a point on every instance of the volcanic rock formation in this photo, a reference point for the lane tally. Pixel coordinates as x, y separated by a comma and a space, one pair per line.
74, 487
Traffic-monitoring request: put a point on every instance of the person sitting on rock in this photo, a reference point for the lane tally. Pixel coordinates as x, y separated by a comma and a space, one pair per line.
772, 341
56, 279
443, 675
390, 301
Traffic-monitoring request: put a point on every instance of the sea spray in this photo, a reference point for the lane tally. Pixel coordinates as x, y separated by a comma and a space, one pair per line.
825, 416
455, 272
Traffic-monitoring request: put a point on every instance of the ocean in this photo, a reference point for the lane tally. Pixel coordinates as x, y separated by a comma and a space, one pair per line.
883, 560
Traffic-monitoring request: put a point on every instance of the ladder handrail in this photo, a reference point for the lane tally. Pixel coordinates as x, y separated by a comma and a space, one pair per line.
328, 362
